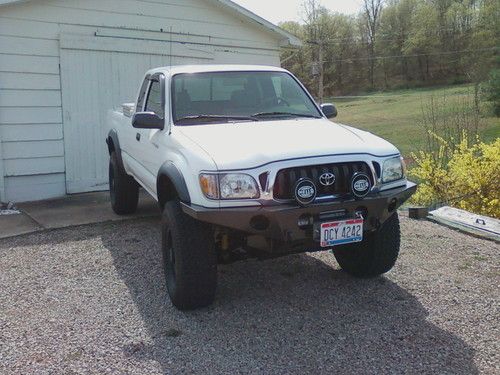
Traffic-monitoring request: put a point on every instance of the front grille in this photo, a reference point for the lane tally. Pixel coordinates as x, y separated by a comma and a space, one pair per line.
286, 178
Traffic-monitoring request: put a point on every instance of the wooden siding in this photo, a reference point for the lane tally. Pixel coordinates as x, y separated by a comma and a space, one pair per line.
30, 98
30, 115
25, 167
31, 132
30, 110
32, 144
189, 17
36, 187
32, 149
29, 81
134, 46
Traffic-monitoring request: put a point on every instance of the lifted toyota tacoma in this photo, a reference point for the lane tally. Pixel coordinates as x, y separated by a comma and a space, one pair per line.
244, 163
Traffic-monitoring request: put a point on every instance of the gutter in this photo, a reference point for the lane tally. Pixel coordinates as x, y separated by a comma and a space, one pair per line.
288, 38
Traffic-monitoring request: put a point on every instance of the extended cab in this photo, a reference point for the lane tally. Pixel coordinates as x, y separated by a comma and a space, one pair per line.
243, 162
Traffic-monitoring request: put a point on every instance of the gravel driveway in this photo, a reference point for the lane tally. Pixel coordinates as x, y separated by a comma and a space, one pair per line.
92, 300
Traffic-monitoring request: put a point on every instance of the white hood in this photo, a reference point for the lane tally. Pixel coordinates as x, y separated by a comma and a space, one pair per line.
251, 144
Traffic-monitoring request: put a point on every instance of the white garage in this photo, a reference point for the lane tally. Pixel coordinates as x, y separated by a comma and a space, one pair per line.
64, 63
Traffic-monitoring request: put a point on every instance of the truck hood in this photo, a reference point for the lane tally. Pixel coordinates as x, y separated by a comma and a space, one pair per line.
251, 144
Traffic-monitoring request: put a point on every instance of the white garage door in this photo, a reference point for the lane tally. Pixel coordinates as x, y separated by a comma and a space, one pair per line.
98, 74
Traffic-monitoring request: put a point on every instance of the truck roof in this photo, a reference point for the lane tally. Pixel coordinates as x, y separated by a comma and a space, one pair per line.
214, 68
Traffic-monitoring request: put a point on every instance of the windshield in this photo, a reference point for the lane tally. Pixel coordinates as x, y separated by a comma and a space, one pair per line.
201, 98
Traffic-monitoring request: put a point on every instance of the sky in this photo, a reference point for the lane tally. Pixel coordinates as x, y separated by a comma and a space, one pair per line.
290, 10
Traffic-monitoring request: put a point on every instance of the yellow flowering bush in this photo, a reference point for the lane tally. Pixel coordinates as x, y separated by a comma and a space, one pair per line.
465, 175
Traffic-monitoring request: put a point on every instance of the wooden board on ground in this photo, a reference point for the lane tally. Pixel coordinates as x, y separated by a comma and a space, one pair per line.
478, 225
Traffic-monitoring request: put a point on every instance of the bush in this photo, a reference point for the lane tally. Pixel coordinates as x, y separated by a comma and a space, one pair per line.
492, 91
465, 175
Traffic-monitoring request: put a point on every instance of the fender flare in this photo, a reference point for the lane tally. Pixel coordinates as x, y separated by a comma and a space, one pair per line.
169, 170
114, 145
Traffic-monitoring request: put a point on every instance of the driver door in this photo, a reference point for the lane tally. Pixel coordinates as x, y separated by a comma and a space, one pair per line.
128, 134
147, 140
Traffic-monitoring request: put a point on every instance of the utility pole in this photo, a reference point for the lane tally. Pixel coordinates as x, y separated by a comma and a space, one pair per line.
321, 72
315, 30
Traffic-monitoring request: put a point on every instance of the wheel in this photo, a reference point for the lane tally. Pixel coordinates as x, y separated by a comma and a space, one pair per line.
189, 259
375, 255
123, 189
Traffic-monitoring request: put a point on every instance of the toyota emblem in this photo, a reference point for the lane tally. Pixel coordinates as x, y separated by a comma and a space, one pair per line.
327, 179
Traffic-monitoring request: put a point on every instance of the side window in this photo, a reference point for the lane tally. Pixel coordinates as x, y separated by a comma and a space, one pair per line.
153, 103
142, 95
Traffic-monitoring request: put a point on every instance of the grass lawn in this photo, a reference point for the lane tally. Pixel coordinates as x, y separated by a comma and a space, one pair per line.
396, 115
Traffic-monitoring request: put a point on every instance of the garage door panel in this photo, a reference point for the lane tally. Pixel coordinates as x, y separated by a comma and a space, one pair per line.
94, 82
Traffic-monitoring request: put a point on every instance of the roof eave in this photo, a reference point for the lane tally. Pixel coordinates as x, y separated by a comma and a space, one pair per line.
287, 39
7, 2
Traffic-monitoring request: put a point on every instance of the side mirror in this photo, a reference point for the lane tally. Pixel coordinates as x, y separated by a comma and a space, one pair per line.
147, 120
329, 110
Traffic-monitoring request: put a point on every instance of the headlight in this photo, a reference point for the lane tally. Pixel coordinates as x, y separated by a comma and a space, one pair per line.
235, 186
393, 169
229, 186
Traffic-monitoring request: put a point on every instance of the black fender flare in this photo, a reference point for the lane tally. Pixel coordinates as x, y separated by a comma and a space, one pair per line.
114, 145
169, 170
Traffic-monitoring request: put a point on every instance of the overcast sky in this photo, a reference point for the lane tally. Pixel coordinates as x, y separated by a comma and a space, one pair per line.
290, 10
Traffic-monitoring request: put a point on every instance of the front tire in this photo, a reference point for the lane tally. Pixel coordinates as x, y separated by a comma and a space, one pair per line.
123, 189
189, 259
375, 255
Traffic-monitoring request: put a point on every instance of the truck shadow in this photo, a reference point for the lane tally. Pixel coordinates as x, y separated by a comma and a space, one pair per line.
290, 315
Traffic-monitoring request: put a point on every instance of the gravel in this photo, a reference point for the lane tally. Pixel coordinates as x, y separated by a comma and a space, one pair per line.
92, 299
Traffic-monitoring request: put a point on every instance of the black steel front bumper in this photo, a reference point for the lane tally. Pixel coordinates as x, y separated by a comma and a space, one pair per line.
281, 222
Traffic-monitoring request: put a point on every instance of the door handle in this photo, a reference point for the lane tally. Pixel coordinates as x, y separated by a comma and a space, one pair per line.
138, 137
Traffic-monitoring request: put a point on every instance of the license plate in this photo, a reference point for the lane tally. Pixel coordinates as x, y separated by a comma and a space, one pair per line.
341, 232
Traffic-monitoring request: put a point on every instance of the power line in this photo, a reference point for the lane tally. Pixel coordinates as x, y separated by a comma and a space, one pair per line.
413, 55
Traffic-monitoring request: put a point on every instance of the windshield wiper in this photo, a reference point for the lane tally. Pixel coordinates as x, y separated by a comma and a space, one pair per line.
215, 117
262, 114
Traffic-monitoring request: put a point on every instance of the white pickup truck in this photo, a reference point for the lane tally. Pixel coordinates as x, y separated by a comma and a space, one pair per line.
244, 163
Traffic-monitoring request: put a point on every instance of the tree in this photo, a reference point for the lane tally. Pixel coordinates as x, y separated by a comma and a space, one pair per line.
296, 59
316, 23
394, 32
492, 89
340, 48
372, 10
395, 42
423, 40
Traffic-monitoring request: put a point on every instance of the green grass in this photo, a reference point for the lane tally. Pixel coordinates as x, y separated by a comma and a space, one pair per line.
396, 116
